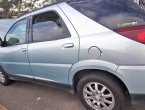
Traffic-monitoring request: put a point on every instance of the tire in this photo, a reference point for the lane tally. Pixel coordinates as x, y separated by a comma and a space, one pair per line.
93, 99
4, 80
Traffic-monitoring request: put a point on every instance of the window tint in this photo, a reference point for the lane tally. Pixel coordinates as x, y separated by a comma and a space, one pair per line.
17, 34
49, 26
113, 14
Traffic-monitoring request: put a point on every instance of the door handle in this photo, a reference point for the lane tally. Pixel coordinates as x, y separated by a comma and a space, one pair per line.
68, 45
23, 50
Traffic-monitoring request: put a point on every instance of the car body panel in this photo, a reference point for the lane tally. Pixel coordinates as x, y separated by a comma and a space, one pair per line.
133, 77
91, 64
15, 62
55, 61
52, 65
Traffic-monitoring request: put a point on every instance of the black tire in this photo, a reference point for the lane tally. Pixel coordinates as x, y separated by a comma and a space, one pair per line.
6, 81
107, 81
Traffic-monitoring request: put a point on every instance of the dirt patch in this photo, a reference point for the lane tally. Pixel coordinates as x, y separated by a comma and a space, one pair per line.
3, 108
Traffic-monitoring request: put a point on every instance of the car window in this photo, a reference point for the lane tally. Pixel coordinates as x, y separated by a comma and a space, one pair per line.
113, 14
17, 34
48, 27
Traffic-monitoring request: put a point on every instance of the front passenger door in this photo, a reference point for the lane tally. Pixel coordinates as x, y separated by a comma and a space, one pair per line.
14, 58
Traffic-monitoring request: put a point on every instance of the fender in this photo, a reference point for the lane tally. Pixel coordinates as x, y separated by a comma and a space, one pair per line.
92, 64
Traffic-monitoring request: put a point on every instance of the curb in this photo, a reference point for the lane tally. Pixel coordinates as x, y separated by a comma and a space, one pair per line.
3, 108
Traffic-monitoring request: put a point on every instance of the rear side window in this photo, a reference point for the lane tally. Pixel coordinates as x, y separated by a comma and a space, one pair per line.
48, 27
114, 14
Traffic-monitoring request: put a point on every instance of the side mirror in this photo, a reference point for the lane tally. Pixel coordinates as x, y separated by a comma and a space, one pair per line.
12, 41
1, 42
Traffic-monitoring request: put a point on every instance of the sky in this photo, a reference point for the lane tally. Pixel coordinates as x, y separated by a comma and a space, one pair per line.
4, 26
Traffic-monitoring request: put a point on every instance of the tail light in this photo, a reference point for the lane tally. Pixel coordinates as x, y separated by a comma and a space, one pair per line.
135, 33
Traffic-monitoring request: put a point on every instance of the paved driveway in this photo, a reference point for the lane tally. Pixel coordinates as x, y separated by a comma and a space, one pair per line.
27, 96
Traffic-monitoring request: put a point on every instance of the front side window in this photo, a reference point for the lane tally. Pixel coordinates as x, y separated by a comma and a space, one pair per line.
17, 34
48, 27
114, 14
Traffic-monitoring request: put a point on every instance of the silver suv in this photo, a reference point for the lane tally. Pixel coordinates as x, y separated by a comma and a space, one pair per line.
91, 47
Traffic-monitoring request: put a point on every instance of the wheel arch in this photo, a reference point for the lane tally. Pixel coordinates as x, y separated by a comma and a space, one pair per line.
85, 72
91, 65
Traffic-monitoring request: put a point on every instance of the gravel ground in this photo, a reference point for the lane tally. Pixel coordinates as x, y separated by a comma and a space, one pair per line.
27, 96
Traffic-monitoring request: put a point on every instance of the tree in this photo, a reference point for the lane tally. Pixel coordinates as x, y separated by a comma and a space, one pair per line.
17, 8
5, 5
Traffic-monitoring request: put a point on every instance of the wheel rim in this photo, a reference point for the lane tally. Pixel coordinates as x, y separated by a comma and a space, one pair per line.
2, 78
98, 96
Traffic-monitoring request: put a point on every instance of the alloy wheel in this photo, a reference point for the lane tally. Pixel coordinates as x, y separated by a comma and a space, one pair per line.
98, 96
2, 78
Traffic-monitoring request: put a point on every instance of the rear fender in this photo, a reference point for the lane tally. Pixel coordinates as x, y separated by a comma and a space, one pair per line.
92, 64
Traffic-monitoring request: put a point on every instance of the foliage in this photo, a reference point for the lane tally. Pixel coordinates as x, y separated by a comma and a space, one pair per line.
16, 8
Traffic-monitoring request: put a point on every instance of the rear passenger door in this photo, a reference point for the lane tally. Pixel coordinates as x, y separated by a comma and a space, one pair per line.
54, 46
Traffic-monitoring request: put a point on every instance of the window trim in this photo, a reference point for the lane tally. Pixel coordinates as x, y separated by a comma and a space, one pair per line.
31, 25
26, 38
